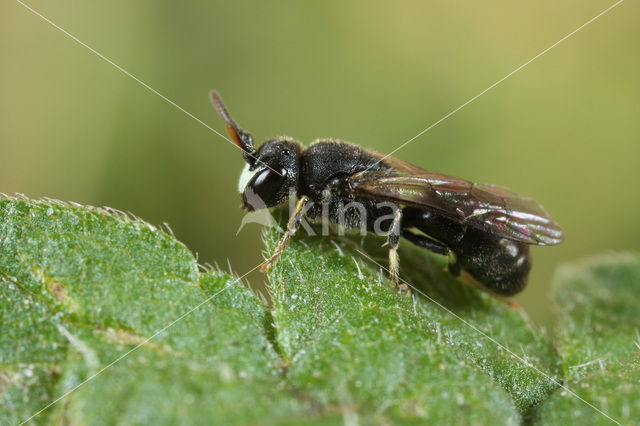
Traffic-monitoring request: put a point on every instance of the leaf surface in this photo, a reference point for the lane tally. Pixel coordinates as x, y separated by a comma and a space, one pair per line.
348, 335
598, 302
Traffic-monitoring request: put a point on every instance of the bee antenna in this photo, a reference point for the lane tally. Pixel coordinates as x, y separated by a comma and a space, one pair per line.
242, 138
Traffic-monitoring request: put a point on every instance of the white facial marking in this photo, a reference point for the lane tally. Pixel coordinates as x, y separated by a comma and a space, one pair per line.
245, 177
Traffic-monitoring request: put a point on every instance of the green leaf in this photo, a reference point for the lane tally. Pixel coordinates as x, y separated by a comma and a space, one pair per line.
599, 311
110, 319
161, 385
80, 287
599, 339
347, 335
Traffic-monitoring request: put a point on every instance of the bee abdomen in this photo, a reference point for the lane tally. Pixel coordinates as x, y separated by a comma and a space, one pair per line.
500, 264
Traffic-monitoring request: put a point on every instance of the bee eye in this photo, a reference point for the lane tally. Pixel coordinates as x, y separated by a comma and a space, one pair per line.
263, 187
245, 178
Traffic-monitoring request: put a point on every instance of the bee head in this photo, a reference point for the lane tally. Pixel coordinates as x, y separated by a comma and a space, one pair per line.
271, 172
272, 177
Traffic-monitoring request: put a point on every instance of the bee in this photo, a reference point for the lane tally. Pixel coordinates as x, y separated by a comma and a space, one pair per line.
485, 230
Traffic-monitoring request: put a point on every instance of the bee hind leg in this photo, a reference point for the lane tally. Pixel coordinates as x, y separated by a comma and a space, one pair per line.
426, 242
454, 265
435, 247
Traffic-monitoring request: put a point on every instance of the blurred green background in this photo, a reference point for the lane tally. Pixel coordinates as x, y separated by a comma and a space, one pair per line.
564, 130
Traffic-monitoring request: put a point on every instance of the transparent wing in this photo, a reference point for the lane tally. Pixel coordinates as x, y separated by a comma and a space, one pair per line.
491, 208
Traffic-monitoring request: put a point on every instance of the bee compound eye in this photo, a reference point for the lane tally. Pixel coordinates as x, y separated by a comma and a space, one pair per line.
264, 186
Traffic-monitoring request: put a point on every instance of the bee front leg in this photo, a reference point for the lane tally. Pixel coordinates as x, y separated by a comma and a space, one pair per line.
393, 239
292, 227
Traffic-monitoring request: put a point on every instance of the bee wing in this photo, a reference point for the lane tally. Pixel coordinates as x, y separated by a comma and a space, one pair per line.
491, 208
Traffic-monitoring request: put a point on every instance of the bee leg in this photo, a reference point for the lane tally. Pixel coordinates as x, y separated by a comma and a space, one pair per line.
434, 246
454, 265
292, 227
393, 239
426, 243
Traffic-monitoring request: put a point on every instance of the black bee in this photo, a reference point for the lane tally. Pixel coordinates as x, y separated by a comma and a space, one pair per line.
485, 229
